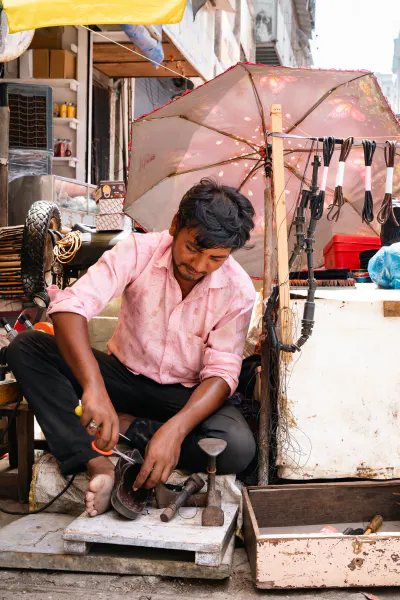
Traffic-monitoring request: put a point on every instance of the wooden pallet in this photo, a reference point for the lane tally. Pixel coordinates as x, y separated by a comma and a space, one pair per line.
183, 533
36, 542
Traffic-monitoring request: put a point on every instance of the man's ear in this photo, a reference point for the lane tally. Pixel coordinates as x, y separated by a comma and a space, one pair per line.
174, 226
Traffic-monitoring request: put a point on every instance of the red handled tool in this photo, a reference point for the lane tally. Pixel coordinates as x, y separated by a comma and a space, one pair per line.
136, 457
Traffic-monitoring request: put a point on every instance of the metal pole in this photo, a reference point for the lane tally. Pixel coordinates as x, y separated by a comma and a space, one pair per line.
4, 139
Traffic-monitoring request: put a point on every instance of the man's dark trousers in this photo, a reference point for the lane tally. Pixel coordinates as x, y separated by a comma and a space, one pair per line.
52, 392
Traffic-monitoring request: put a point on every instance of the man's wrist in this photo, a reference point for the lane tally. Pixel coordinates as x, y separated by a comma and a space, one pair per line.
179, 426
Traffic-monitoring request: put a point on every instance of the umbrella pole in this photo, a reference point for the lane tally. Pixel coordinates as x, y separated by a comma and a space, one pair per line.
281, 230
4, 126
265, 398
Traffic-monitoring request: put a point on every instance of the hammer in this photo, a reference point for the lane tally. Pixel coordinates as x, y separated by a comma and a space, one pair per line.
192, 486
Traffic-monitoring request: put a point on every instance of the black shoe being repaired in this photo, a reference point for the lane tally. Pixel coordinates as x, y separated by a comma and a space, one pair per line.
124, 500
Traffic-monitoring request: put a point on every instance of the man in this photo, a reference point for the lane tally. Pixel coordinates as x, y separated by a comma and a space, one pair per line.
173, 360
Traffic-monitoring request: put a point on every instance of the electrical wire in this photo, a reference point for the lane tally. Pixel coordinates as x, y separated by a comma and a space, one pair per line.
317, 204
43, 508
65, 249
386, 209
100, 34
338, 199
368, 209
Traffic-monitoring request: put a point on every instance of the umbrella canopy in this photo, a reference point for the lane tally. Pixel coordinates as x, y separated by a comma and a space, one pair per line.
32, 14
219, 129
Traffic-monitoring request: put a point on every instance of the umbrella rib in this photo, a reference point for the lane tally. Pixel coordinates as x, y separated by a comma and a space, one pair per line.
255, 147
255, 168
218, 164
324, 97
258, 99
296, 174
230, 135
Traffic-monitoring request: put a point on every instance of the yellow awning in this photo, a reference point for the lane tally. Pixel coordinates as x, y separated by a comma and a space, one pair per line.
32, 14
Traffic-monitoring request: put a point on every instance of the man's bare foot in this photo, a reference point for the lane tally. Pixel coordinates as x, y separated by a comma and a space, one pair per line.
98, 495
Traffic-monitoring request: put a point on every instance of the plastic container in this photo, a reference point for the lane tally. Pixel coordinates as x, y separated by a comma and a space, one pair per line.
63, 110
343, 251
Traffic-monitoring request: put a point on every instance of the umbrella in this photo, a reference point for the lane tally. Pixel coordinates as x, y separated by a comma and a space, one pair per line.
219, 130
31, 14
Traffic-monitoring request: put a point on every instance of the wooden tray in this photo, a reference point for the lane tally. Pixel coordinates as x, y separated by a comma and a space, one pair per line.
286, 550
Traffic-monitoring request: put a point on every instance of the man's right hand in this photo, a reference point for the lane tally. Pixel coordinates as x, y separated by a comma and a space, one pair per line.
96, 406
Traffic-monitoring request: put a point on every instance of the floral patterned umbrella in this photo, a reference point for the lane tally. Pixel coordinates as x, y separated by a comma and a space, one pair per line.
220, 130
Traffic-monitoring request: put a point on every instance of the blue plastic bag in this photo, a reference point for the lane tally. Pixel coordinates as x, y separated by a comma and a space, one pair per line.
384, 267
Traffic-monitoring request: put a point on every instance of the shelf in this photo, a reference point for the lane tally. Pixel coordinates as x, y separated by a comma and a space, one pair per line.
73, 123
72, 84
70, 160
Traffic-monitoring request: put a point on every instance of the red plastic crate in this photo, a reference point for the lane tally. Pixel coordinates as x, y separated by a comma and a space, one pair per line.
343, 251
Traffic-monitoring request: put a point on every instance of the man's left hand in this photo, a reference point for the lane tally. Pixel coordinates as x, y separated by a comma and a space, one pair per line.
161, 458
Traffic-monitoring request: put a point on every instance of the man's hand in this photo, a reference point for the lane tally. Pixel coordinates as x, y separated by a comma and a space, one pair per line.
96, 406
161, 458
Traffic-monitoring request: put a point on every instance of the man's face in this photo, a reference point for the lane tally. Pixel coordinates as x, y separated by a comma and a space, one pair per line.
193, 263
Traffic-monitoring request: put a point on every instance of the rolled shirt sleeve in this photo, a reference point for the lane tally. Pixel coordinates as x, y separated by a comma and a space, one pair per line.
224, 352
104, 281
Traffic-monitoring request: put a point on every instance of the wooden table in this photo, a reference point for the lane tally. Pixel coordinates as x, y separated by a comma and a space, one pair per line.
15, 482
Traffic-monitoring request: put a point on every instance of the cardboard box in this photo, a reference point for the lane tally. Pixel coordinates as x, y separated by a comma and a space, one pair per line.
110, 206
114, 222
62, 64
109, 190
47, 38
35, 64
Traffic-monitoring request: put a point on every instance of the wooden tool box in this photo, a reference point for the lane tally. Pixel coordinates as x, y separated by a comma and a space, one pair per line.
281, 525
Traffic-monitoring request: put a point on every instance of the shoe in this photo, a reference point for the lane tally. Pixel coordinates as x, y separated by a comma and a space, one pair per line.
124, 500
141, 431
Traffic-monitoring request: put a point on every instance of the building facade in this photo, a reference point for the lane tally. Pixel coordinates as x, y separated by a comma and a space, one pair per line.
396, 72
283, 29
388, 83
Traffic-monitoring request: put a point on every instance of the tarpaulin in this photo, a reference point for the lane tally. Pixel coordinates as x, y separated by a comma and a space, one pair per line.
33, 14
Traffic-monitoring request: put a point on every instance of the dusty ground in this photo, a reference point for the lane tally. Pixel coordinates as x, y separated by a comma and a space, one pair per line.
51, 585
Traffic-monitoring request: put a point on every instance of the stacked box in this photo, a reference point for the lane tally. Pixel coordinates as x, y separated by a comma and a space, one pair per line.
110, 201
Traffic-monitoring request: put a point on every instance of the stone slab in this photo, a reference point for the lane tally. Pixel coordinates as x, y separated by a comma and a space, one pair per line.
35, 542
184, 532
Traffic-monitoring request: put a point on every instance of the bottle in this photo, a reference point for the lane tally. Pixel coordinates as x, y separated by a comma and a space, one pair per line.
25, 320
10, 332
61, 148
68, 147
70, 110
56, 109
63, 110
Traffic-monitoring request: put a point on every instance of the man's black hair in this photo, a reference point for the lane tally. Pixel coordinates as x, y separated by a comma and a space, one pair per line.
222, 216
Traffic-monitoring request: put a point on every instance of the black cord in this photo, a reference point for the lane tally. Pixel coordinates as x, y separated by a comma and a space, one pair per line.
43, 508
368, 209
317, 206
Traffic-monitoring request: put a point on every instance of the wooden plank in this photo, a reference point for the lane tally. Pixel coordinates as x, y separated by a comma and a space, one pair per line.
391, 308
184, 532
35, 542
281, 229
251, 533
4, 129
25, 435
9, 392
112, 53
146, 69
323, 505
